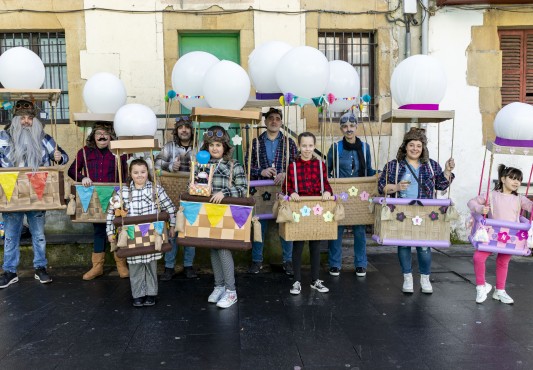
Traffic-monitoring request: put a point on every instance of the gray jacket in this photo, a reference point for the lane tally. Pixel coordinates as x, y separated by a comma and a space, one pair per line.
169, 153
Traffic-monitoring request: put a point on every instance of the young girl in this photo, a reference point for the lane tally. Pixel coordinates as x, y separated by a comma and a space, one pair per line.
504, 204
138, 198
229, 180
308, 177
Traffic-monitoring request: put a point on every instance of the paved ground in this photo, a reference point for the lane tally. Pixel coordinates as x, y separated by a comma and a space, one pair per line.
363, 323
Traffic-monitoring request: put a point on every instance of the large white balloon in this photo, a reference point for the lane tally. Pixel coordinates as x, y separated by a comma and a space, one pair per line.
226, 86
419, 79
343, 83
515, 122
104, 93
21, 68
188, 77
135, 120
303, 71
262, 64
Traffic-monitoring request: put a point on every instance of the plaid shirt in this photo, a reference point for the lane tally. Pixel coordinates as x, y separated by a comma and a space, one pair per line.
168, 154
48, 148
429, 180
142, 203
238, 185
101, 165
308, 177
279, 155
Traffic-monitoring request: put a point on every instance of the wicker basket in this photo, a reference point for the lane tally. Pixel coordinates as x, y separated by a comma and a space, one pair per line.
24, 197
96, 212
174, 184
311, 227
264, 193
356, 205
403, 228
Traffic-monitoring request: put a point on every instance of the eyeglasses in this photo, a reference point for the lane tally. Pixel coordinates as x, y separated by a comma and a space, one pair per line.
350, 118
183, 118
218, 133
24, 105
101, 133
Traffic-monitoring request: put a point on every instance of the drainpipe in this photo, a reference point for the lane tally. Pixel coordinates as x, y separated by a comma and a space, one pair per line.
407, 36
425, 27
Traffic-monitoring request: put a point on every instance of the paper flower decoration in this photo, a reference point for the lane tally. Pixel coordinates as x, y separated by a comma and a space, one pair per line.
253, 190
236, 140
353, 191
328, 216
344, 196
417, 220
296, 217
392, 207
503, 237
364, 196
331, 98
266, 196
433, 216
400, 216
522, 235
317, 210
443, 209
305, 211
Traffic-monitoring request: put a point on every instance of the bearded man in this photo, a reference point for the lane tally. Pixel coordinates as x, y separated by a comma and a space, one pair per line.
23, 143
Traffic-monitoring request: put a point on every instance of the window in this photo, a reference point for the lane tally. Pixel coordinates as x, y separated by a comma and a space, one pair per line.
356, 48
50, 46
517, 66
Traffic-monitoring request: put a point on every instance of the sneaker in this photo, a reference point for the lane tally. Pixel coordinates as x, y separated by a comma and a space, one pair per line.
255, 267
8, 278
138, 302
407, 283
502, 296
287, 267
42, 276
296, 288
360, 271
167, 274
190, 273
217, 293
317, 284
149, 300
482, 291
334, 271
229, 298
425, 284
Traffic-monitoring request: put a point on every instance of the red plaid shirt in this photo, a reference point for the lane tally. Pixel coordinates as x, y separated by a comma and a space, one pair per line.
308, 176
101, 166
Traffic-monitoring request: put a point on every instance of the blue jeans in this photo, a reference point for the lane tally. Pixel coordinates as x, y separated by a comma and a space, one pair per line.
257, 247
359, 247
100, 238
424, 259
170, 257
13, 230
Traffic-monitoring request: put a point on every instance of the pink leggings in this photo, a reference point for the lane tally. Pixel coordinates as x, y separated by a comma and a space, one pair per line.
502, 264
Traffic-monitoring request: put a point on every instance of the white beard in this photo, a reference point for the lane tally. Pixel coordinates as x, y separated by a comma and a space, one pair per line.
27, 147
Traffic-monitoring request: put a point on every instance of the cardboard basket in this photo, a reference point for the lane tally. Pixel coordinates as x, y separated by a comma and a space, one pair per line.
96, 212
264, 193
355, 193
174, 184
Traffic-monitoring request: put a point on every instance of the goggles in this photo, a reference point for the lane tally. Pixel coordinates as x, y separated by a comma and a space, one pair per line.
24, 105
183, 119
216, 133
350, 118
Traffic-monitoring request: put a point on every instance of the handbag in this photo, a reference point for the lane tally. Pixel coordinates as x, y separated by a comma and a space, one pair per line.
201, 184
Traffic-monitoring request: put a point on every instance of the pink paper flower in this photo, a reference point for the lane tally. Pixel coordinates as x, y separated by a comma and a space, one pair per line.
522, 235
364, 196
317, 210
503, 237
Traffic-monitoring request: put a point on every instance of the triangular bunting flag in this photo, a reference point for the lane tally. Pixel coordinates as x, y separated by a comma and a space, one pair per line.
8, 180
215, 212
190, 210
85, 193
131, 232
104, 194
144, 228
158, 227
117, 188
240, 214
38, 182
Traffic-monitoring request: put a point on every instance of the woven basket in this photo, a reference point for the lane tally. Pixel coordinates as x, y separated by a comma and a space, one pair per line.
174, 184
96, 212
24, 197
312, 227
355, 206
400, 229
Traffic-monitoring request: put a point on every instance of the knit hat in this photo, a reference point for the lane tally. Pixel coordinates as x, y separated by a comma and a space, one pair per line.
347, 118
183, 120
25, 108
418, 134
272, 111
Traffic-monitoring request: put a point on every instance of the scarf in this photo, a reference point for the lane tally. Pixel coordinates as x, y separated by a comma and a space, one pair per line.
358, 147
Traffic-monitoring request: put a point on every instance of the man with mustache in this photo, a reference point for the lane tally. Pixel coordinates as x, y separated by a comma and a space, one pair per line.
23, 143
96, 163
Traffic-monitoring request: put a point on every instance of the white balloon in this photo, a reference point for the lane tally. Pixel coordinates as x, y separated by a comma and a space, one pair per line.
303, 71
420, 79
343, 83
188, 77
104, 93
515, 122
226, 86
21, 68
135, 120
262, 64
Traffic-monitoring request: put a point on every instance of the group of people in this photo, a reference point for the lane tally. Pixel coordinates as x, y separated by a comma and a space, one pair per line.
23, 143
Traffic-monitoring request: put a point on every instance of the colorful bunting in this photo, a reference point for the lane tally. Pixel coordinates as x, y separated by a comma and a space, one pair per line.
38, 182
191, 210
104, 194
143, 228
85, 194
131, 231
240, 214
8, 180
215, 212
158, 226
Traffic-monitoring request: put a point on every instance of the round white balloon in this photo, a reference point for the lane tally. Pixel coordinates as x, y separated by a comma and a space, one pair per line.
343, 83
515, 122
262, 64
303, 71
188, 77
135, 120
104, 93
21, 68
226, 86
420, 79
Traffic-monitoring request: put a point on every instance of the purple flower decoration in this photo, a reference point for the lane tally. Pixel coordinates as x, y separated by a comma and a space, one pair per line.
443, 209
343, 196
503, 237
522, 235
392, 207
433, 216
400, 216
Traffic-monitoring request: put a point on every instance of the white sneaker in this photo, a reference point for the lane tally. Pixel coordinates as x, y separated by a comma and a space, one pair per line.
425, 284
407, 283
216, 295
502, 296
228, 299
319, 286
296, 288
482, 291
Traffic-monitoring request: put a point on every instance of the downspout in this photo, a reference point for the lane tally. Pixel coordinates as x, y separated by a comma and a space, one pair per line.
425, 27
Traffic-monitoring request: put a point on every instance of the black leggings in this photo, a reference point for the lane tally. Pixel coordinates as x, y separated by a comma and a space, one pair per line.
314, 252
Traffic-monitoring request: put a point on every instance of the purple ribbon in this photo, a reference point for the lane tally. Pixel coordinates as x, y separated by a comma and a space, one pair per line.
420, 106
511, 142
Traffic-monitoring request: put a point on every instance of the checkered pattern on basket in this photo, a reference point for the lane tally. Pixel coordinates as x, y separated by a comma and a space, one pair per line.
148, 239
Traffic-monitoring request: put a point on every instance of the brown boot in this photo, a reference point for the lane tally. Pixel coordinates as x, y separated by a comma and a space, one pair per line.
122, 266
98, 266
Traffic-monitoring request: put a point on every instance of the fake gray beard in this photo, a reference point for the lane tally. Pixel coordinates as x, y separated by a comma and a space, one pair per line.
27, 146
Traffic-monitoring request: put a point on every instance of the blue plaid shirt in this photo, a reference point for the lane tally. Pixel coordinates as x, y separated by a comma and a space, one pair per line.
48, 148
262, 163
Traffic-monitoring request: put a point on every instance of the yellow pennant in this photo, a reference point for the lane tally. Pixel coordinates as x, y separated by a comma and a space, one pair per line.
215, 212
8, 180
